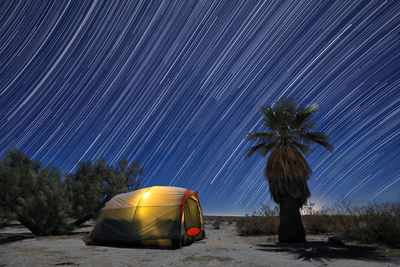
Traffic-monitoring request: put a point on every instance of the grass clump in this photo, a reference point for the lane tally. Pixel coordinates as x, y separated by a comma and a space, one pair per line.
264, 222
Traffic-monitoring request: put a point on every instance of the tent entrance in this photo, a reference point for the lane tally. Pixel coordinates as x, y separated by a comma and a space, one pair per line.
192, 221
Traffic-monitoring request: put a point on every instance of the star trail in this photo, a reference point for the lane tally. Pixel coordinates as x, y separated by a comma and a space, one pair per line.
178, 85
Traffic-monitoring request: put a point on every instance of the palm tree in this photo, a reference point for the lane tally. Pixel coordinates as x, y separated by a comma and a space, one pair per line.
289, 133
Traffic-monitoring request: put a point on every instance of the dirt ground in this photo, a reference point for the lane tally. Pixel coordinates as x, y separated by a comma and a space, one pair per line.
222, 247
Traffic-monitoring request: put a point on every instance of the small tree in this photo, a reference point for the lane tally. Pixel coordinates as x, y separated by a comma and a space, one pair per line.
94, 184
33, 196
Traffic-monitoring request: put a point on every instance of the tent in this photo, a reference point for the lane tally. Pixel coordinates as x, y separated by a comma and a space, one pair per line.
161, 216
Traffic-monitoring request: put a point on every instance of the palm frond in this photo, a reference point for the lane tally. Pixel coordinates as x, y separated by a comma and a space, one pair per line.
270, 119
325, 144
317, 137
303, 148
304, 127
260, 136
263, 148
303, 115
253, 149
266, 148
286, 103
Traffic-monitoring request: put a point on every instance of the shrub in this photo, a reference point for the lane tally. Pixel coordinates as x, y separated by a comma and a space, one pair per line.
93, 184
5, 216
44, 202
216, 224
372, 223
318, 221
264, 222
33, 196
375, 223
317, 224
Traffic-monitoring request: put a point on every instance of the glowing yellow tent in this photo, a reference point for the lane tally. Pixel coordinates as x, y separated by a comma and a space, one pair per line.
156, 216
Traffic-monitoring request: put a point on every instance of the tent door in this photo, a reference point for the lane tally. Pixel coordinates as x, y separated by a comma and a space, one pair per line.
192, 221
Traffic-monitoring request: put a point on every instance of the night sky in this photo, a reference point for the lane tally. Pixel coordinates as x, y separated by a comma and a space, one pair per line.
178, 85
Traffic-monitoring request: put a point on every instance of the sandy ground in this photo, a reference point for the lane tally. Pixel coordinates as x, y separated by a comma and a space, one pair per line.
222, 247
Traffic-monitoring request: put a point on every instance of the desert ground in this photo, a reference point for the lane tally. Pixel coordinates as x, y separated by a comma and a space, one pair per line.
221, 247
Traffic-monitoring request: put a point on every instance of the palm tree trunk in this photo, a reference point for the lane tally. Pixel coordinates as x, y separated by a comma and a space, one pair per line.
291, 228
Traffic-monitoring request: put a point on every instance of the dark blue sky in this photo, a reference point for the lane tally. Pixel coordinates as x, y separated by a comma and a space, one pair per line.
177, 85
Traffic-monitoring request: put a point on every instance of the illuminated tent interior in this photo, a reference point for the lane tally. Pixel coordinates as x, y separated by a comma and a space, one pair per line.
161, 216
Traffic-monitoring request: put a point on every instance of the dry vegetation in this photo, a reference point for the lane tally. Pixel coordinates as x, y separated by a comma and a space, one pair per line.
372, 223
221, 247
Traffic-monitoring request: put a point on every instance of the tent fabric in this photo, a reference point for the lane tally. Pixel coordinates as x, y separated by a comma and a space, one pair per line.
155, 216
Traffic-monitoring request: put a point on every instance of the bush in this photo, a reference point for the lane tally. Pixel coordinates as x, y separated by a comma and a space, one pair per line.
94, 184
216, 224
6, 217
45, 203
319, 221
257, 225
374, 223
33, 196
317, 224
264, 222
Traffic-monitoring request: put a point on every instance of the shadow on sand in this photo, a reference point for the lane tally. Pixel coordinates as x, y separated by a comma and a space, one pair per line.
8, 238
12, 237
323, 251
